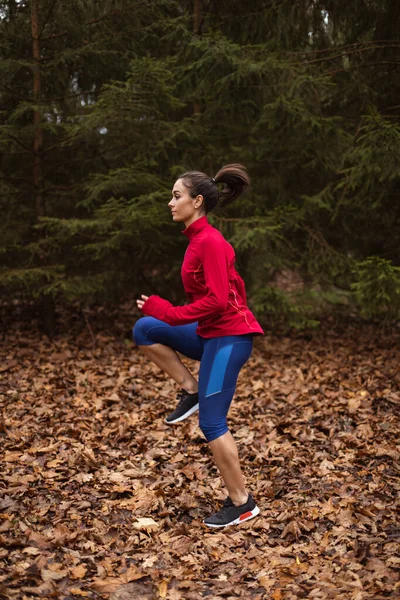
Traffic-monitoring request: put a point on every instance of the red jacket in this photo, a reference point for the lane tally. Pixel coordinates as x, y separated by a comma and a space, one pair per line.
215, 290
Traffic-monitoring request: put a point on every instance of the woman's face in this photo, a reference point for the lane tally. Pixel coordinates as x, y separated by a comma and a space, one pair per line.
183, 207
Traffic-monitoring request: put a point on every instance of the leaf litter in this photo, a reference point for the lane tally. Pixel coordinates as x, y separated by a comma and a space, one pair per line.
99, 498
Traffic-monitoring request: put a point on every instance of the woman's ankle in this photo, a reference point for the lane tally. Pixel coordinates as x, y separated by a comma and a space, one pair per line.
240, 498
191, 389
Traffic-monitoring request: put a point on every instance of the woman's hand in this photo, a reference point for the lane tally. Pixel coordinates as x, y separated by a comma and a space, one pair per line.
141, 301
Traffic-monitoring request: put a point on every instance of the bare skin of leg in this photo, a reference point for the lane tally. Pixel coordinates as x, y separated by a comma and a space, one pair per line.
167, 359
226, 456
223, 448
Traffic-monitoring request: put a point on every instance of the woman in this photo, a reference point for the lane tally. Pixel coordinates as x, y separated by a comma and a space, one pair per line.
216, 328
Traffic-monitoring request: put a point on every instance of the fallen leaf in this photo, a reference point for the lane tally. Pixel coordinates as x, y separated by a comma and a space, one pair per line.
31, 550
78, 572
78, 592
145, 524
50, 575
162, 588
292, 528
354, 404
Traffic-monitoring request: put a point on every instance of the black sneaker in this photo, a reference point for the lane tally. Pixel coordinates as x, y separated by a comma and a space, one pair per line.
188, 404
230, 514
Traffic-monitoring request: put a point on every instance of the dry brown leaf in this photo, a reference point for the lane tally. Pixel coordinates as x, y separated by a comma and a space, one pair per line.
292, 528
145, 524
354, 404
31, 550
316, 421
78, 572
267, 582
78, 592
257, 385
106, 586
162, 588
50, 575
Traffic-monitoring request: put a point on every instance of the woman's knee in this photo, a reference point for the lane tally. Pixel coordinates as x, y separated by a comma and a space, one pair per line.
212, 429
140, 331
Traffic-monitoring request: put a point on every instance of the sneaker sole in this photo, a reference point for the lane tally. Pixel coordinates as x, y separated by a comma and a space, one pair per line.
244, 517
185, 416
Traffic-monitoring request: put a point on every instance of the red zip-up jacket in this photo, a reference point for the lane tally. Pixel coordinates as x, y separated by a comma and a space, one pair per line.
215, 290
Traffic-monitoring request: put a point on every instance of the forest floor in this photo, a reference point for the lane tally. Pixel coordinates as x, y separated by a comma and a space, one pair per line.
99, 498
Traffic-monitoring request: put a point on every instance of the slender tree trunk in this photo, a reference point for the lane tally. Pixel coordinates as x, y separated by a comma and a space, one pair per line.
46, 302
196, 16
196, 29
37, 130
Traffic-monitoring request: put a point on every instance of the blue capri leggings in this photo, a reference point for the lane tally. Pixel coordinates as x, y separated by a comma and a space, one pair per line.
220, 359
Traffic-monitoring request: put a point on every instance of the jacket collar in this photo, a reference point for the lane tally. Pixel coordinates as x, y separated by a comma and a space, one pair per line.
195, 227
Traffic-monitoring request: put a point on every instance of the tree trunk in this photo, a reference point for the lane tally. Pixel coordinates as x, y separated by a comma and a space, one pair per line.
37, 129
196, 29
46, 303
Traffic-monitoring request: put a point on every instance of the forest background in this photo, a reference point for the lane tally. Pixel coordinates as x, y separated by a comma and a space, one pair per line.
103, 104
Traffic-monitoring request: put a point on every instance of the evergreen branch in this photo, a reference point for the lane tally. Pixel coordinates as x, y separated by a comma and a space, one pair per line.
45, 20
10, 49
112, 13
92, 22
341, 55
62, 142
63, 98
230, 219
69, 162
13, 93
17, 141
366, 64
320, 239
61, 187
16, 180
341, 47
21, 153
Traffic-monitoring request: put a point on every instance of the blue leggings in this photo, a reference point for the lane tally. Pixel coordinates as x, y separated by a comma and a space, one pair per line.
220, 359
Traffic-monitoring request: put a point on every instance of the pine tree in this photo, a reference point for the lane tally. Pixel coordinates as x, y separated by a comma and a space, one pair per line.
129, 95
54, 59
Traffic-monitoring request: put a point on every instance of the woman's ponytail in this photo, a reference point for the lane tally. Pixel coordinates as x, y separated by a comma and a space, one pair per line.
234, 177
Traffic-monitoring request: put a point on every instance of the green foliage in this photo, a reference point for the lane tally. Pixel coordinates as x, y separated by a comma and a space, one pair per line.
274, 306
376, 288
130, 96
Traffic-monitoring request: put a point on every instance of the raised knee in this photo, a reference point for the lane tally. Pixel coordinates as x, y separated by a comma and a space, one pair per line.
140, 331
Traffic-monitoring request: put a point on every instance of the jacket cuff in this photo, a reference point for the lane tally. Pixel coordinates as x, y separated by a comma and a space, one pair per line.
156, 307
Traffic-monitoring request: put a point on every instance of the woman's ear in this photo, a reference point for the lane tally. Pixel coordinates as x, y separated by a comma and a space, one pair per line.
199, 201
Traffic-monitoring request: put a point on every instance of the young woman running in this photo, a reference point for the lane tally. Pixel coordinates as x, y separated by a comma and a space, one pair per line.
216, 328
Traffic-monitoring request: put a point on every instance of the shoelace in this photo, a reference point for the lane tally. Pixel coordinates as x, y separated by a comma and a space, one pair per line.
181, 396
227, 504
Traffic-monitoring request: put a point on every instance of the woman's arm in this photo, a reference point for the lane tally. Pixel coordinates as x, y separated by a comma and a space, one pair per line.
215, 300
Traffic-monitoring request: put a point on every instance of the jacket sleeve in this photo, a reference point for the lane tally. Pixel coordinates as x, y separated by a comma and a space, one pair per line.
215, 264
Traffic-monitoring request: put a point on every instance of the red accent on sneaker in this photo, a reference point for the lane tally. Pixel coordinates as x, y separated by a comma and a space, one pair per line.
245, 516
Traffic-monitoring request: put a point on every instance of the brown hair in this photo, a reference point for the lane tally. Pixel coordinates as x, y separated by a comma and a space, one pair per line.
235, 178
